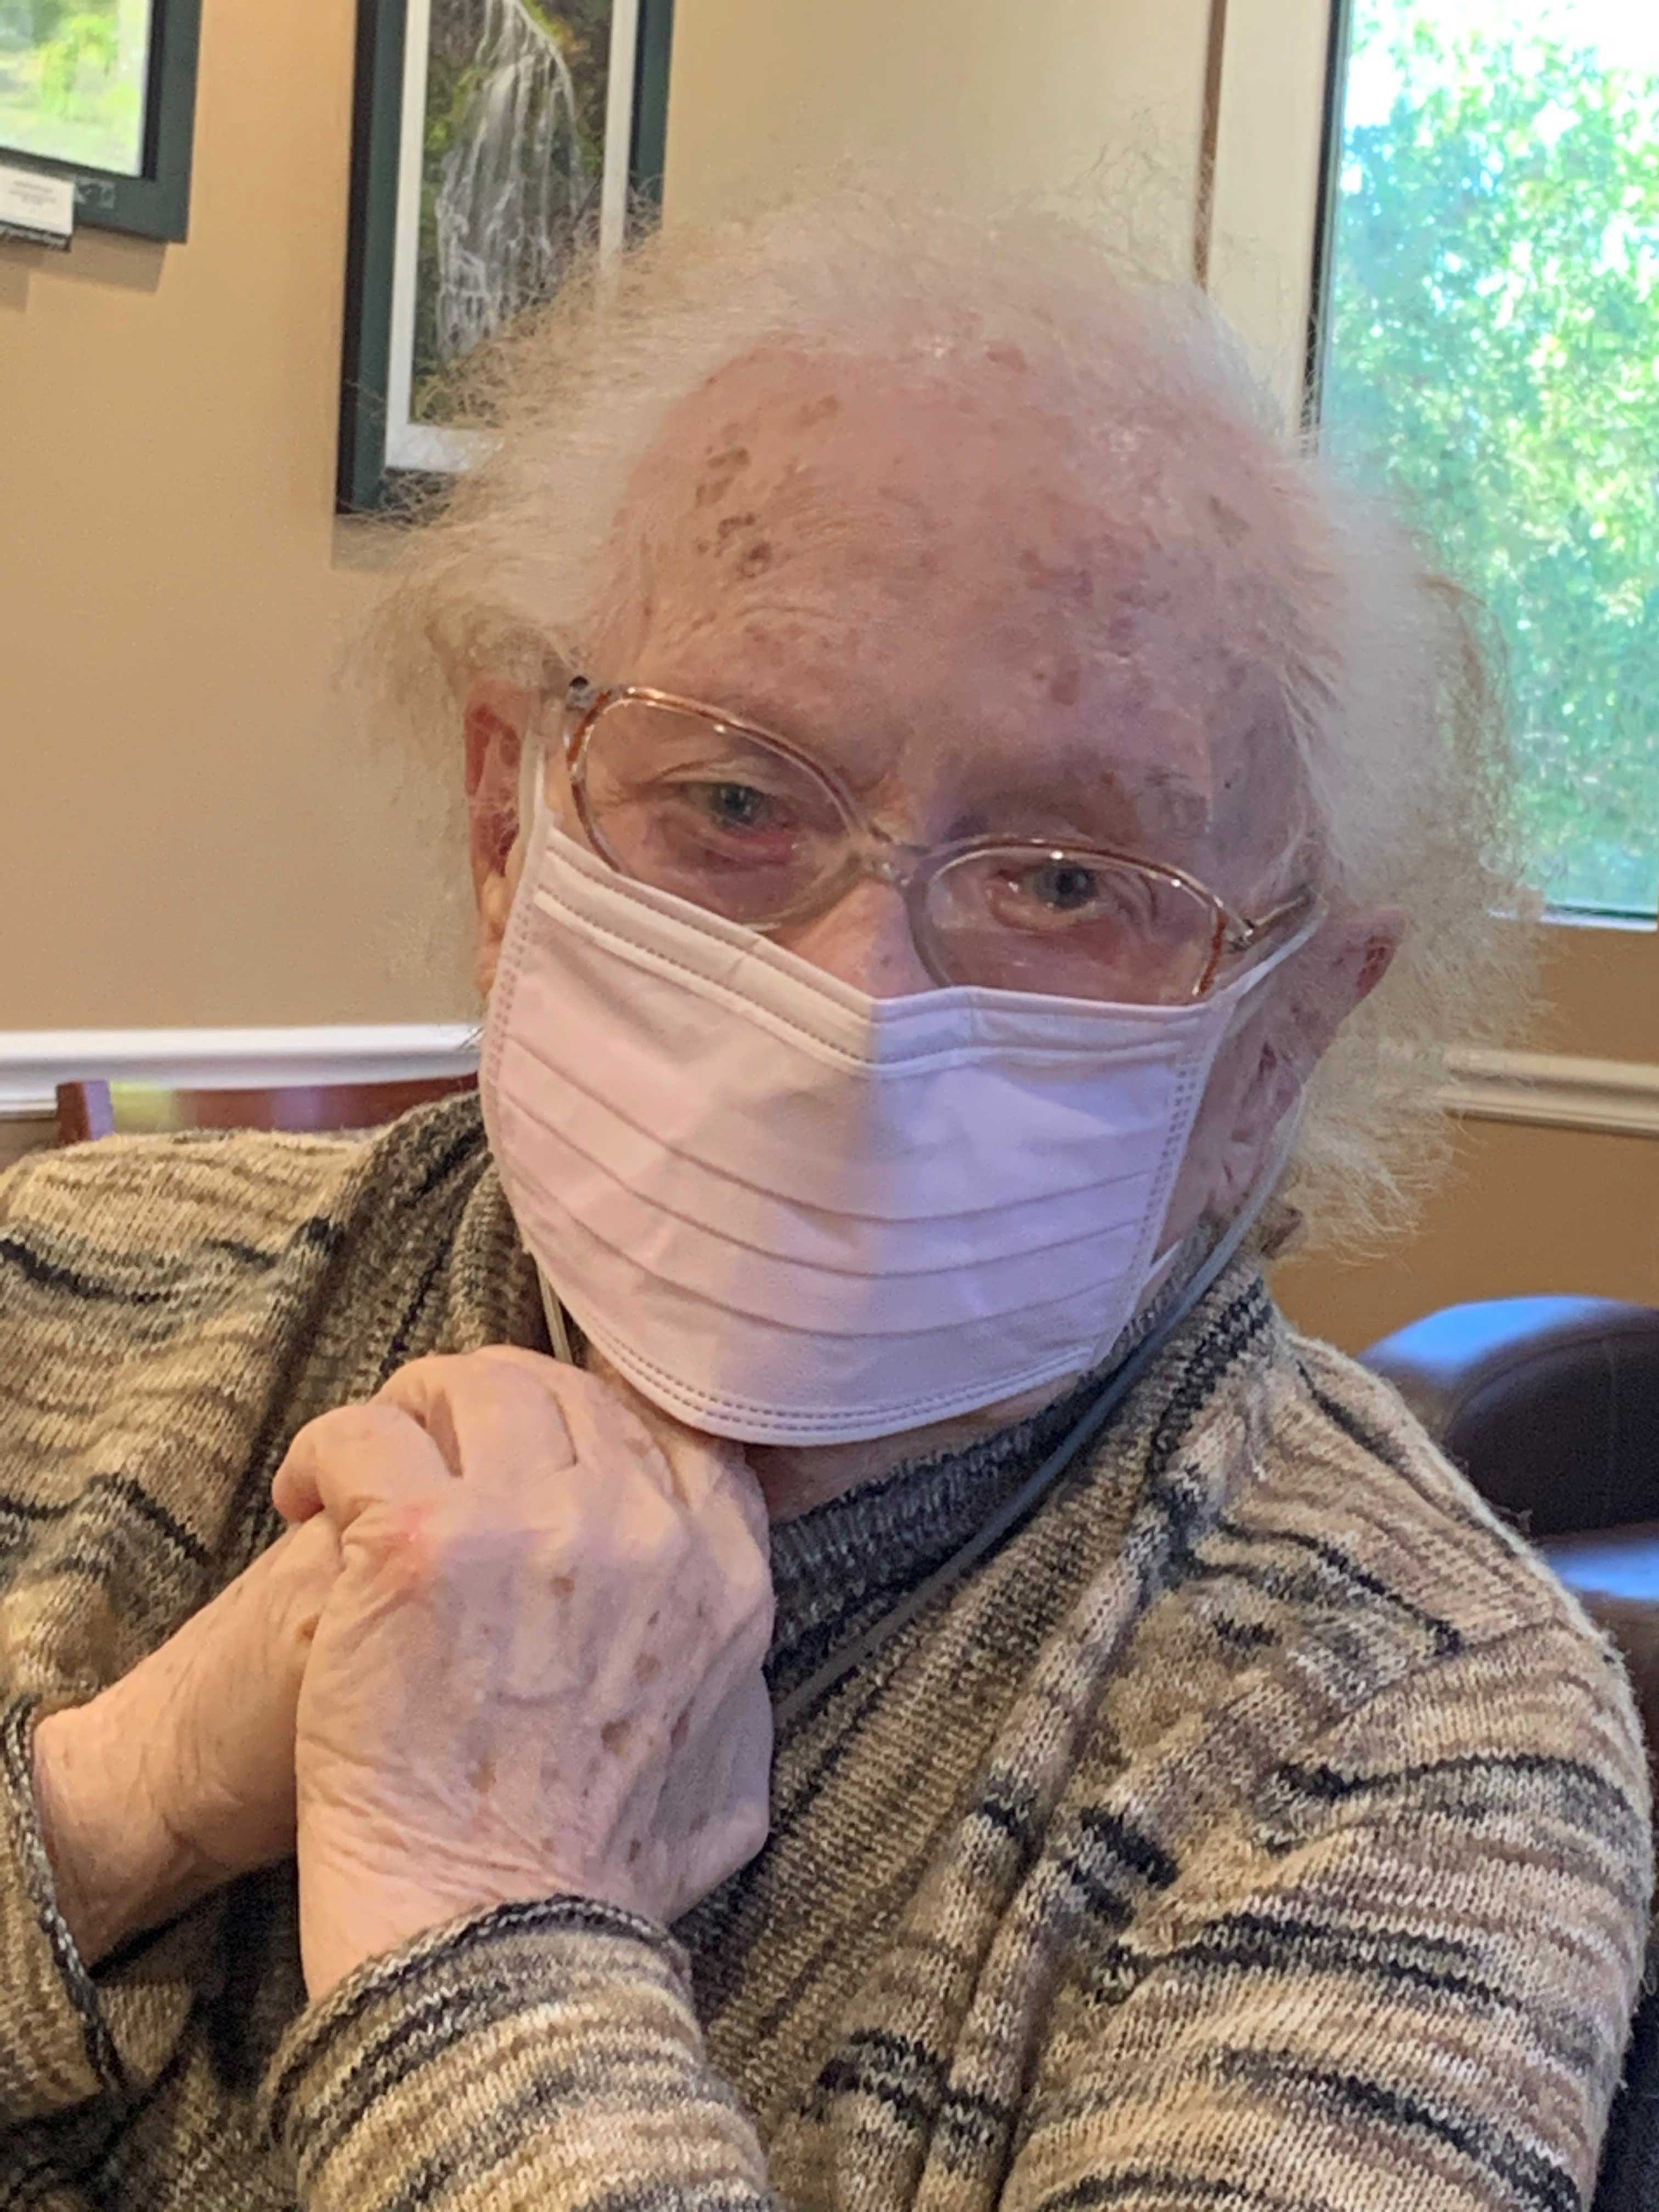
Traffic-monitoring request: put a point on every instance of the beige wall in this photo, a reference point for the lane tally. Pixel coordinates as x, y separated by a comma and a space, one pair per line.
1525, 1209
765, 92
193, 831
1522, 1210
196, 830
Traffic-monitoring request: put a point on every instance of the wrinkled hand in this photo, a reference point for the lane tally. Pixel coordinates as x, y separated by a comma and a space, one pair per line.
180, 1775
538, 1671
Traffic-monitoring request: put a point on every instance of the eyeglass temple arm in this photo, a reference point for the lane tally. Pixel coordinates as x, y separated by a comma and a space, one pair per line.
1247, 932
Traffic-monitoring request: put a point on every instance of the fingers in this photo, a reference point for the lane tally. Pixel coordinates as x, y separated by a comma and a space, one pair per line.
306, 1557
497, 1416
508, 1420
611, 1432
354, 1457
687, 1467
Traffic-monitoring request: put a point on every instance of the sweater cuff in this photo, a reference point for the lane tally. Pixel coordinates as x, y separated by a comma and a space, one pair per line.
544, 2052
75, 2032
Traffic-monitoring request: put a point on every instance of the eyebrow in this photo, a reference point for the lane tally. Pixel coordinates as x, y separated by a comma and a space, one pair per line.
1079, 781
1161, 803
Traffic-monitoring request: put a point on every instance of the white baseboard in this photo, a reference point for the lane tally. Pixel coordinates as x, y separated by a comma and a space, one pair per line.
34, 1062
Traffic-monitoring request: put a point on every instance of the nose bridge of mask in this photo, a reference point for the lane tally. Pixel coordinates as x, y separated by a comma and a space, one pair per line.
662, 933
760, 1088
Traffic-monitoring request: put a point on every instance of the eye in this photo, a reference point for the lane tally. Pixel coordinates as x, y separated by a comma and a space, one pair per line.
1064, 886
739, 806
1065, 890
730, 807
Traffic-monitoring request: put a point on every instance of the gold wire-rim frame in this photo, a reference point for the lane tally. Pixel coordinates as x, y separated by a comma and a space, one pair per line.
1232, 935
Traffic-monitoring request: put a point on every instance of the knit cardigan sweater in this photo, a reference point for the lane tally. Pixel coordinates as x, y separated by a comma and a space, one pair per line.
1258, 1826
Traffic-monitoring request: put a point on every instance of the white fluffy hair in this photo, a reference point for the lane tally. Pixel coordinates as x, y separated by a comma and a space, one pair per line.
1377, 659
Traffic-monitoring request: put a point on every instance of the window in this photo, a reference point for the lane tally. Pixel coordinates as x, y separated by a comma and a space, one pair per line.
1489, 341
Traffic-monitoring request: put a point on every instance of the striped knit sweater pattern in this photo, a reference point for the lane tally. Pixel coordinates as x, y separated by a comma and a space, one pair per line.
1258, 1826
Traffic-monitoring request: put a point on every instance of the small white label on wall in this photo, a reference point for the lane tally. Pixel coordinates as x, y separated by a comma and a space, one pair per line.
36, 207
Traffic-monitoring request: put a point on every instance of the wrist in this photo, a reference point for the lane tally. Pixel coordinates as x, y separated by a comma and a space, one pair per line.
359, 1903
117, 1865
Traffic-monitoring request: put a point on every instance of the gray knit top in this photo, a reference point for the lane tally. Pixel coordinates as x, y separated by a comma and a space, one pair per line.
1258, 1826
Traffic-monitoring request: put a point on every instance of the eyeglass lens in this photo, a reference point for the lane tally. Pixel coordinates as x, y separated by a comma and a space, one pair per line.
738, 826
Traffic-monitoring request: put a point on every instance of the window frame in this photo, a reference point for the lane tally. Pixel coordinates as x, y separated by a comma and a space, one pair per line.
1269, 228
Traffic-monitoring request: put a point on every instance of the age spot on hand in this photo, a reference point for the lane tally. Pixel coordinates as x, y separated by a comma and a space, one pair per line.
646, 1667
614, 1736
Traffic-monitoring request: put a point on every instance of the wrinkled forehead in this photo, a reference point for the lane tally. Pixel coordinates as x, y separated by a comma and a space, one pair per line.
979, 568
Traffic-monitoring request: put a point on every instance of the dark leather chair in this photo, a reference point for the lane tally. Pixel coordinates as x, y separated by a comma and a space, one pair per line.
1550, 1407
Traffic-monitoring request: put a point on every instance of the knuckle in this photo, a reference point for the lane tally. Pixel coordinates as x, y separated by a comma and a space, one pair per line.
752, 1586
533, 1366
431, 1368
362, 1422
750, 1829
410, 1544
652, 1533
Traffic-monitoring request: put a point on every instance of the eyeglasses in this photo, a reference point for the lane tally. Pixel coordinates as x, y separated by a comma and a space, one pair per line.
740, 821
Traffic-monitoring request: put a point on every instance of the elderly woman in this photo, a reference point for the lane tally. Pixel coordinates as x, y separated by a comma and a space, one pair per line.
829, 1644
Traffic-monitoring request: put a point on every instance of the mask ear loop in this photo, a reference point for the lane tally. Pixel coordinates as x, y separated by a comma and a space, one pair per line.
1071, 1447
532, 809
532, 781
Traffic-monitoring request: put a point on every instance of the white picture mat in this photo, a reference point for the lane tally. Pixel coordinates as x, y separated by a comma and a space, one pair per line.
426, 446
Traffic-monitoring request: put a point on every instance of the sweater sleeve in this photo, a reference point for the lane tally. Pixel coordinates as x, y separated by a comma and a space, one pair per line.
122, 1444
67, 2035
542, 2054
1405, 1978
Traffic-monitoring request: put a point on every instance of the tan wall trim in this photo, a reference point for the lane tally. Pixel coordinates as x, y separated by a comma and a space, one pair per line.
1563, 1090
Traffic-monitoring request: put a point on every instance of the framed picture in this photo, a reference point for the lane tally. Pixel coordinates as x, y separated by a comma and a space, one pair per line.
104, 92
494, 141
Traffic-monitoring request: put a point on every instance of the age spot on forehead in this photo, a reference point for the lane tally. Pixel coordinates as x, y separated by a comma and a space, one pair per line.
720, 471
1067, 580
1064, 683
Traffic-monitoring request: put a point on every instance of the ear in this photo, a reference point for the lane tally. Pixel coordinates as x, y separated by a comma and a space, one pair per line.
1337, 971
496, 718
1264, 1067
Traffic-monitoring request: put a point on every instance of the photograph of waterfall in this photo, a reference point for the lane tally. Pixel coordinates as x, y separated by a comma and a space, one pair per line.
495, 142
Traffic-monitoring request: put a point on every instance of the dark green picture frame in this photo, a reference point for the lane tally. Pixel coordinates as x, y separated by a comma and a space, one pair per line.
155, 203
364, 484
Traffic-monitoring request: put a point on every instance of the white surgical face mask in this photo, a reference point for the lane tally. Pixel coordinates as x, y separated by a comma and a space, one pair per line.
789, 1212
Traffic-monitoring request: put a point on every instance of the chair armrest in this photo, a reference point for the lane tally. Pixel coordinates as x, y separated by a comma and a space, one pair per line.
1550, 1405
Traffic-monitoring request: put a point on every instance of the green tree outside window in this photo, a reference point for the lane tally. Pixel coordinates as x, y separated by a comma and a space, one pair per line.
1492, 347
